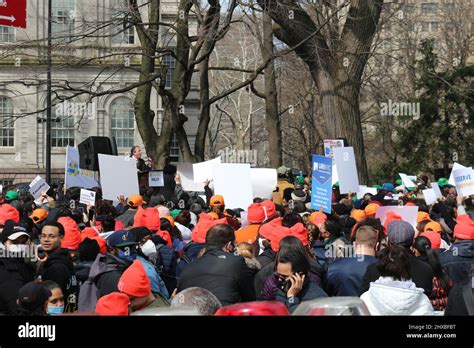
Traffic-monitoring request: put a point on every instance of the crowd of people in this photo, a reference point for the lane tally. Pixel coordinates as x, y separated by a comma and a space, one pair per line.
165, 247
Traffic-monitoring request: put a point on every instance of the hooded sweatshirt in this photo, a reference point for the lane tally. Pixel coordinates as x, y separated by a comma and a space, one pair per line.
60, 269
387, 296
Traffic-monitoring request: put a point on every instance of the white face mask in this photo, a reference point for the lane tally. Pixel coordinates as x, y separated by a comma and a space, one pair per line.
17, 248
148, 247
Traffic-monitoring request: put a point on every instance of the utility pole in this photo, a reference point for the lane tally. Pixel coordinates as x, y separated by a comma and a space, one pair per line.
48, 100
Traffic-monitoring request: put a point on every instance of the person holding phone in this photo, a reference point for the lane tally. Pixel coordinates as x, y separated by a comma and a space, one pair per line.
294, 286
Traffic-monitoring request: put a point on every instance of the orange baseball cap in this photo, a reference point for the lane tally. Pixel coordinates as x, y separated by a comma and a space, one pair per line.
422, 216
371, 209
170, 219
217, 201
135, 200
433, 226
358, 214
39, 215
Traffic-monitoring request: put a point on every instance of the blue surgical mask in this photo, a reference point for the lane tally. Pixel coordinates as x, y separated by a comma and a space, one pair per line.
55, 310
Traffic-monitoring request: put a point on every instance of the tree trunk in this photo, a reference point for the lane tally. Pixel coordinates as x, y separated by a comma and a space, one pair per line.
271, 96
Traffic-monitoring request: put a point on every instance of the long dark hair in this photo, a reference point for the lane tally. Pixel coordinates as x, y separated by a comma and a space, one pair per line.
423, 246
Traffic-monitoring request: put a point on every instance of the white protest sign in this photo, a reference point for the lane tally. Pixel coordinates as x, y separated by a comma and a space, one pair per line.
364, 189
185, 171
464, 180
234, 182
430, 196
406, 180
243, 218
87, 197
204, 198
75, 176
205, 170
118, 176
456, 166
1, 189
37, 186
264, 181
408, 214
435, 187
155, 178
347, 169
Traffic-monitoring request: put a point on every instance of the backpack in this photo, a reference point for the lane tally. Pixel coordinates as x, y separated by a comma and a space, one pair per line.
88, 296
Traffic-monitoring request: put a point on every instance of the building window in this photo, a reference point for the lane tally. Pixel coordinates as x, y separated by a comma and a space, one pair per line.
7, 34
122, 122
64, 14
433, 26
7, 129
425, 26
169, 61
174, 148
62, 129
123, 30
428, 8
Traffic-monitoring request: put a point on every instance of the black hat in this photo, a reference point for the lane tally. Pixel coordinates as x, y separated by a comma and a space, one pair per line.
12, 231
33, 295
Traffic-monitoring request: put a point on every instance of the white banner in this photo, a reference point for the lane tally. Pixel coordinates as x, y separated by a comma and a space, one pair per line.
406, 180
74, 176
408, 214
464, 180
364, 189
430, 196
456, 166
234, 182
204, 170
185, 171
155, 178
118, 176
37, 186
87, 197
264, 181
347, 169
435, 187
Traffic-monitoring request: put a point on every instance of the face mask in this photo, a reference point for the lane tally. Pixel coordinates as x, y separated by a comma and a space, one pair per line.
55, 310
17, 248
148, 248
127, 256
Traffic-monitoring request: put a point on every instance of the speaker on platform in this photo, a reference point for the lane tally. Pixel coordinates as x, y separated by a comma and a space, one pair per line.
91, 147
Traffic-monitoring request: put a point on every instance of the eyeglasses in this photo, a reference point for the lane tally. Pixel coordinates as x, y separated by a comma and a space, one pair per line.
48, 236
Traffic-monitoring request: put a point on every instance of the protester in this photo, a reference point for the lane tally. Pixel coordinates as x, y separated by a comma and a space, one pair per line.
294, 286
129, 209
58, 266
56, 300
333, 240
135, 283
461, 297
344, 276
441, 282
457, 261
14, 271
394, 293
115, 303
33, 300
201, 299
231, 281
402, 233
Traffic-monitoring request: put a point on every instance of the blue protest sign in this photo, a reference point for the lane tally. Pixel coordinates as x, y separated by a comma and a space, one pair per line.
321, 183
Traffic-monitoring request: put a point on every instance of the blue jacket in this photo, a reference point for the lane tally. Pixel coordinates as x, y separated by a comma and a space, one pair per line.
458, 259
319, 250
157, 285
345, 275
310, 291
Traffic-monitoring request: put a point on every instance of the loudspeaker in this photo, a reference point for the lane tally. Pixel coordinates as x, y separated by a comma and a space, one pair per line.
439, 173
92, 146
